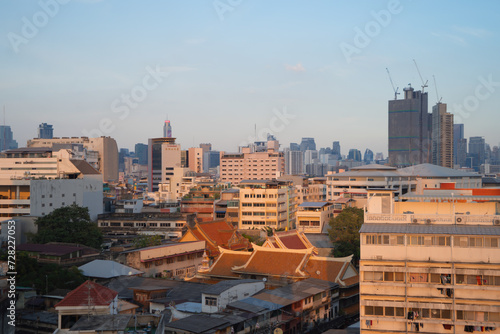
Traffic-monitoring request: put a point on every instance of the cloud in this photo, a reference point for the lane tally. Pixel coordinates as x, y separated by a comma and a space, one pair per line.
295, 68
474, 32
453, 38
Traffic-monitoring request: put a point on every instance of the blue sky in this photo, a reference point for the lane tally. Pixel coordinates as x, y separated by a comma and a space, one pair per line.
219, 68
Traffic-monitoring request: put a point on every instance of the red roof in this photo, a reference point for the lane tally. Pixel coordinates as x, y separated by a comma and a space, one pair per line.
292, 241
227, 260
99, 296
276, 262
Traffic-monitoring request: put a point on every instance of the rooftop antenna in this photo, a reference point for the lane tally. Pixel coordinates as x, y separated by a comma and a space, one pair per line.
392, 83
424, 84
437, 94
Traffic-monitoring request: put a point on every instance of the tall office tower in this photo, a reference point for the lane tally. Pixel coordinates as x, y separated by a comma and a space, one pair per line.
442, 136
354, 154
368, 156
458, 135
206, 147
164, 157
195, 159
124, 152
294, 147
379, 156
167, 130
409, 129
311, 157
462, 152
211, 159
336, 148
476, 152
45, 131
307, 144
294, 162
141, 152
7, 141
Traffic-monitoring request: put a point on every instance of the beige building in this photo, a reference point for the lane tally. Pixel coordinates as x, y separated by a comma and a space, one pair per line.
430, 264
313, 217
105, 147
195, 159
267, 204
236, 167
170, 260
442, 136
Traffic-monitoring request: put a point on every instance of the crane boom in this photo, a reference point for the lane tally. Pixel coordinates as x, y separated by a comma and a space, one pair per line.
424, 84
392, 83
437, 94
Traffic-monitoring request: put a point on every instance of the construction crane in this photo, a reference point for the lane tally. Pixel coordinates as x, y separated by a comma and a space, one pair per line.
392, 83
437, 94
424, 84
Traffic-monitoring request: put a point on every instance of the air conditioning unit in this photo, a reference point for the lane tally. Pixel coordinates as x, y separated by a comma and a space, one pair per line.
459, 220
415, 220
427, 221
496, 222
378, 257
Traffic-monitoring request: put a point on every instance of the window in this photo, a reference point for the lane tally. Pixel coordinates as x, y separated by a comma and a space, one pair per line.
418, 277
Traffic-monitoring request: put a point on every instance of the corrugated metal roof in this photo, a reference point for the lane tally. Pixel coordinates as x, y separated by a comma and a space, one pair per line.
107, 269
431, 229
227, 284
314, 204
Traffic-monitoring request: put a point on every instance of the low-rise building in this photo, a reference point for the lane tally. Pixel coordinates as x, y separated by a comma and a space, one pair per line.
313, 217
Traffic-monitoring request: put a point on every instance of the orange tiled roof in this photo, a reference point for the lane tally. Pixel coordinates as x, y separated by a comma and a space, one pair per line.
330, 269
275, 262
227, 260
218, 233
99, 295
292, 241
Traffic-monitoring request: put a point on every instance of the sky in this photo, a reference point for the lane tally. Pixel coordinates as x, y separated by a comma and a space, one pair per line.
224, 70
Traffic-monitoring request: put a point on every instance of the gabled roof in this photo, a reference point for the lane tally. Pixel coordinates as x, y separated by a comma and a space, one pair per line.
226, 260
292, 239
88, 293
107, 269
330, 269
84, 167
275, 262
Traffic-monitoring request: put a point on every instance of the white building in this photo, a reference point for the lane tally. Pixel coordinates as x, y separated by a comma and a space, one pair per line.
216, 297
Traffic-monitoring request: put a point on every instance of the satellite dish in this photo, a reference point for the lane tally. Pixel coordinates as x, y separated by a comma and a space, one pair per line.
264, 279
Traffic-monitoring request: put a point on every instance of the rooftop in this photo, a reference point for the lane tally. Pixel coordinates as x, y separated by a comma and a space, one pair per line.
107, 269
88, 293
431, 229
227, 284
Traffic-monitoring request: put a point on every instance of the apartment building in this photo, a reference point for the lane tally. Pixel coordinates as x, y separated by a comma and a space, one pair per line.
431, 263
313, 217
236, 167
267, 204
101, 152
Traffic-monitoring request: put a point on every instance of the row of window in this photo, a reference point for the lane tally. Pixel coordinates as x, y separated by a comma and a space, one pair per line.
261, 196
259, 205
425, 313
245, 213
309, 223
431, 240
171, 260
381, 276
263, 222
139, 224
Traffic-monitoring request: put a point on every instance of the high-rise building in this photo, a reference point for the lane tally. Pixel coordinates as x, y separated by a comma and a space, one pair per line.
368, 156
336, 149
458, 135
307, 144
206, 147
164, 156
167, 130
354, 154
141, 152
294, 147
476, 152
195, 159
462, 152
409, 129
45, 131
294, 162
7, 141
211, 159
442, 136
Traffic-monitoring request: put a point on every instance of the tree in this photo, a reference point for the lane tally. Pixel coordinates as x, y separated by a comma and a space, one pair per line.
344, 232
147, 241
70, 224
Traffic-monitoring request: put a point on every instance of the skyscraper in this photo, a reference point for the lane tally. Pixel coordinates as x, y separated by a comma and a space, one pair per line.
164, 156
294, 162
368, 156
354, 154
409, 129
7, 141
336, 149
458, 136
167, 130
307, 144
442, 136
45, 131
476, 152
141, 152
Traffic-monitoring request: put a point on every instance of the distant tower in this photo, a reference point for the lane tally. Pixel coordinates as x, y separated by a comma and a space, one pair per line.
45, 131
442, 136
167, 130
409, 129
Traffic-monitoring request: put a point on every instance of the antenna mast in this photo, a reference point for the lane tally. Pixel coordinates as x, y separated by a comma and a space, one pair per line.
392, 84
424, 84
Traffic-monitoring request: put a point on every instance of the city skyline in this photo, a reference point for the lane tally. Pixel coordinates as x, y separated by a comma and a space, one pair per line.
222, 70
